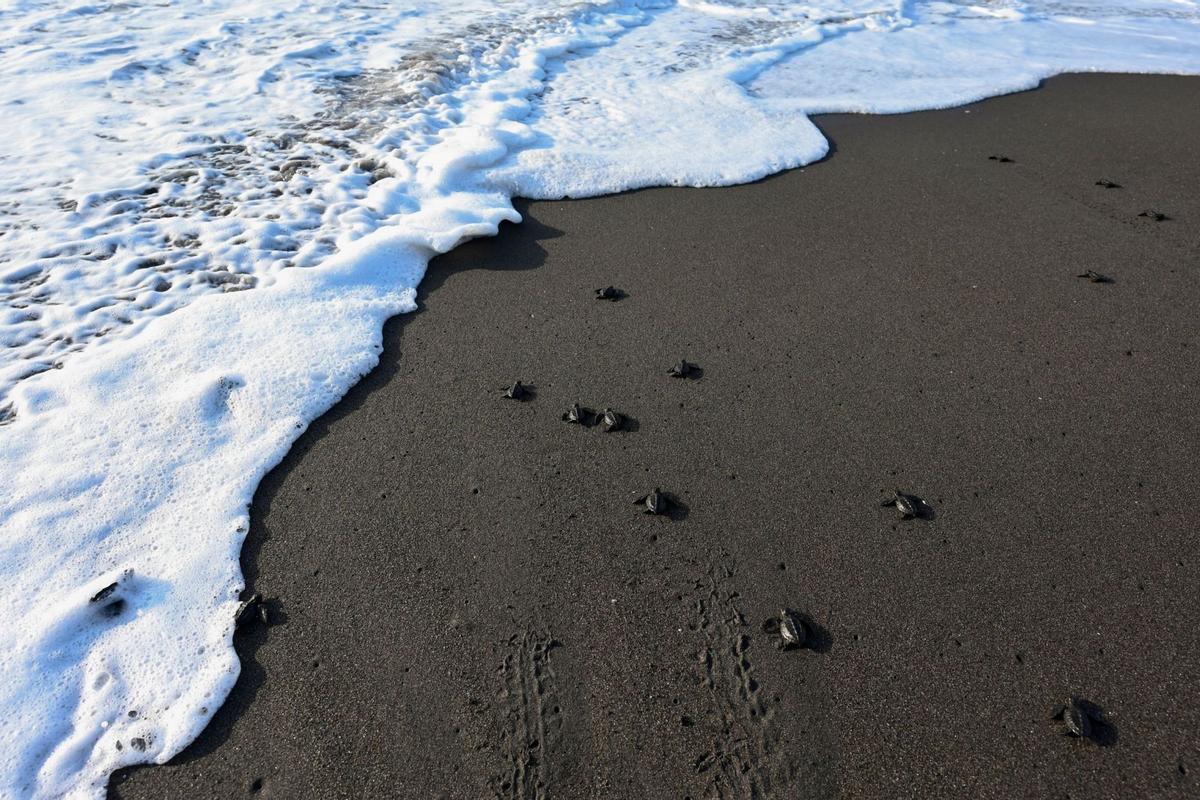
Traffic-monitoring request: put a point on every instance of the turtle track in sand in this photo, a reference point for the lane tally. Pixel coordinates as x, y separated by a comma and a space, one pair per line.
747, 760
533, 716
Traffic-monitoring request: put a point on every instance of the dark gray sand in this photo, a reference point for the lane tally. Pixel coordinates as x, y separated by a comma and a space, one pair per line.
470, 605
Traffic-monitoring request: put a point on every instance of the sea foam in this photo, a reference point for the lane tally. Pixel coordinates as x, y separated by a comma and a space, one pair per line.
208, 209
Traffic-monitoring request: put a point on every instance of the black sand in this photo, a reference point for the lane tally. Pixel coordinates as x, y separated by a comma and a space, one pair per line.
473, 607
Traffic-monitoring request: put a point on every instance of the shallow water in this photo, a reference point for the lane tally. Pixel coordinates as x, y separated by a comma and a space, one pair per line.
208, 209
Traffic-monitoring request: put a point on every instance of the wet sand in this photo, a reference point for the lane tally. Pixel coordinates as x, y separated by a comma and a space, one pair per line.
468, 604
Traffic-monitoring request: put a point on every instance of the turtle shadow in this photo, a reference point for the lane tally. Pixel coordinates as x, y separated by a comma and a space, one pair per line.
628, 425
677, 510
530, 392
276, 613
694, 373
924, 509
819, 640
1104, 733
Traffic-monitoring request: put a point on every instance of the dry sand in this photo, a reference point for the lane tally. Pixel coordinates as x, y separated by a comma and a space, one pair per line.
469, 605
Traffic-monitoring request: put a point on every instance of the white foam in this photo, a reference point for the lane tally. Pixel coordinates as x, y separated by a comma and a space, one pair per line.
207, 211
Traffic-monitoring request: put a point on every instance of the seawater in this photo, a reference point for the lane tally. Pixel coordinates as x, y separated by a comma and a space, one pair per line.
208, 208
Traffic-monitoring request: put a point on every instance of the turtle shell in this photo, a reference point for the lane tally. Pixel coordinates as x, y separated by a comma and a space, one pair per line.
1077, 720
250, 609
653, 503
792, 631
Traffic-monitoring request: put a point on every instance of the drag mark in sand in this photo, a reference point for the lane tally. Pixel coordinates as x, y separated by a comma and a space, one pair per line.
747, 760
533, 717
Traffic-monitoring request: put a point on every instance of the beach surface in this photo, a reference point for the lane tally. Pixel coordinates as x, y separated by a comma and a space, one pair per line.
467, 603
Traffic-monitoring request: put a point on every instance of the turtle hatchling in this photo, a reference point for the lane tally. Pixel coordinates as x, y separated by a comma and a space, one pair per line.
611, 420
110, 605
1107, 184
1001, 159
793, 634
577, 415
251, 608
654, 503
906, 505
683, 369
1094, 277
104, 593
517, 391
611, 293
1151, 214
1078, 718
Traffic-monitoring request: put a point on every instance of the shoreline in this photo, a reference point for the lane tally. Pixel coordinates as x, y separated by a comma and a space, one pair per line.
904, 311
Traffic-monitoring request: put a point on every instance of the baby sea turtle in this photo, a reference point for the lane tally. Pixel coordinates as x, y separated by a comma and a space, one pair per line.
611, 293
109, 605
251, 609
1001, 159
517, 392
654, 503
683, 369
611, 420
1094, 277
793, 634
577, 415
1107, 184
906, 505
104, 593
1156, 216
1081, 718
107, 591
